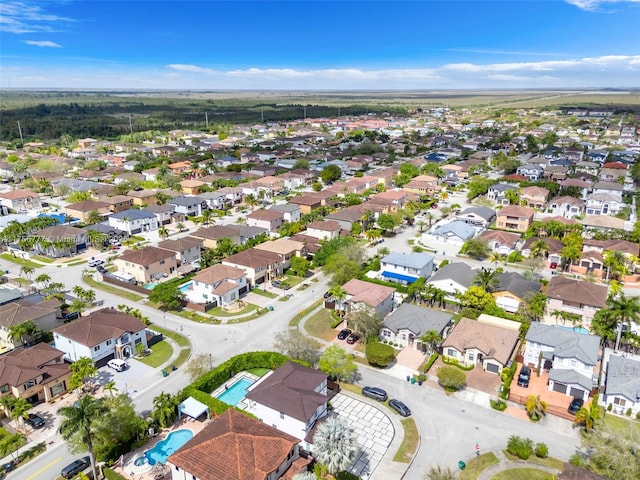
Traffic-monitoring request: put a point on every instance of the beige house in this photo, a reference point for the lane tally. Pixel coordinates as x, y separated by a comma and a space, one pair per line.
37, 374
143, 197
272, 220
80, 210
285, 248
21, 200
147, 264
117, 203
323, 230
513, 217
212, 235
187, 249
43, 314
260, 266
535, 197
582, 299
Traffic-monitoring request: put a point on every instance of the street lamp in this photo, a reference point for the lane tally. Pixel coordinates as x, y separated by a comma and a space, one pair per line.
164, 317
210, 362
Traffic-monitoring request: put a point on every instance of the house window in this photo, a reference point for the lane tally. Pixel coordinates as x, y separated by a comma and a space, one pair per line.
29, 384
281, 416
109, 342
573, 362
621, 402
451, 352
137, 341
471, 357
96, 348
4, 388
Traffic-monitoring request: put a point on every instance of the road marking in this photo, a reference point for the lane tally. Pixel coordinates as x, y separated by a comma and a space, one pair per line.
46, 467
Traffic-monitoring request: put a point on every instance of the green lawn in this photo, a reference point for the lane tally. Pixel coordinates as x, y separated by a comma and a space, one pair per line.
522, 474
219, 312
110, 289
410, 441
547, 462
175, 336
296, 319
20, 261
161, 353
259, 371
617, 424
477, 465
42, 259
264, 293
319, 325
75, 262
182, 356
294, 280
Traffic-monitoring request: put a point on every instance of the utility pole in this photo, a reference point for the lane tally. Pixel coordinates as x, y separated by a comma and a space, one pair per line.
130, 125
20, 130
206, 118
305, 112
262, 115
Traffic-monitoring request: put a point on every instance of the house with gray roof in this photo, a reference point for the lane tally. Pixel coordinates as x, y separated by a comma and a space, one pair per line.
454, 232
291, 211
191, 206
568, 355
409, 322
621, 379
477, 216
497, 193
248, 232
134, 221
453, 278
513, 289
406, 268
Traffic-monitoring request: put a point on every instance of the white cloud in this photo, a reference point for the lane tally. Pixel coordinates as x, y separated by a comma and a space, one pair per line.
43, 43
20, 17
594, 5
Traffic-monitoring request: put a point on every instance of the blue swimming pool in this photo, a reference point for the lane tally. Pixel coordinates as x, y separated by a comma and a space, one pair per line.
187, 286
151, 286
236, 392
168, 446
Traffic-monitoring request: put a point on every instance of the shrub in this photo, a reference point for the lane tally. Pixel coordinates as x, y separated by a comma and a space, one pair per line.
443, 263
379, 355
346, 476
336, 319
638, 416
429, 364
628, 412
499, 405
455, 363
471, 313
609, 407
520, 447
451, 378
541, 450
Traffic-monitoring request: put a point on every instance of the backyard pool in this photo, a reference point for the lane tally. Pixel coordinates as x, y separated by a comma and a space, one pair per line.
236, 392
186, 287
168, 446
150, 286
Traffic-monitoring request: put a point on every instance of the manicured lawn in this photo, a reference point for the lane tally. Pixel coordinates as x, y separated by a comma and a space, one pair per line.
110, 289
621, 425
176, 337
42, 259
319, 325
294, 280
161, 353
259, 371
76, 262
409, 443
111, 475
20, 261
264, 293
219, 312
182, 356
298, 316
521, 474
547, 462
477, 465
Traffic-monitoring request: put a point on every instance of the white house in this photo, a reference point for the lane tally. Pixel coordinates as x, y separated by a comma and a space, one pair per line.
453, 278
406, 268
189, 205
291, 211
323, 230
101, 336
134, 221
621, 381
220, 284
569, 356
409, 322
362, 295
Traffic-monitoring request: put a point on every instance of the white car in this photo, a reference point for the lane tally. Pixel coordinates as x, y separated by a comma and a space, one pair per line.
96, 262
117, 364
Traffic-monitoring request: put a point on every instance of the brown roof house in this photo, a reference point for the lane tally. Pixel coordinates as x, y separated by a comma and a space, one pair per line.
37, 374
323, 230
489, 342
21, 200
361, 295
101, 336
147, 264
80, 210
60, 241
259, 265
43, 314
187, 249
535, 197
293, 398
236, 447
219, 284
212, 235
513, 217
272, 220
582, 299
285, 248
502, 243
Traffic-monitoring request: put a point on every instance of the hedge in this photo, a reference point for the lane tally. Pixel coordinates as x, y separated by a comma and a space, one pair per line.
455, 363
432, 360
397, 286
379, 354
336, 319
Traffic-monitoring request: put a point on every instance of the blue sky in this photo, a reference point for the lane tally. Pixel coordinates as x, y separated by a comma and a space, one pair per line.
450, 44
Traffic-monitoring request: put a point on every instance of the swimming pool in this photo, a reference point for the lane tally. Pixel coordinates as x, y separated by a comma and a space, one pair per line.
150, 286
236, 392
186, 287
168, 446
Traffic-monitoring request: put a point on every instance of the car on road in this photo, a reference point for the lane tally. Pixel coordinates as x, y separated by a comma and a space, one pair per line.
344, 333
96, 262
34, 420
75, 467
375, 393
523, 378
353, 338
553, 265
400, 407
117, 364
101, 269
575, 405
327, 295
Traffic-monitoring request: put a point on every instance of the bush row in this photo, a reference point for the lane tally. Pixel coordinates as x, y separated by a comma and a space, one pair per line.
432, 360
523, 448
455, 363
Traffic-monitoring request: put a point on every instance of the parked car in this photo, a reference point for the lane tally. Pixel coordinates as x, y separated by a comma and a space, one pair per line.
101, 269
523, 378
353, 338
400, 407
553, 265
96, 262
575, 405
117, 364
375, 393
344, 333
327, 295
34, 420
75, 467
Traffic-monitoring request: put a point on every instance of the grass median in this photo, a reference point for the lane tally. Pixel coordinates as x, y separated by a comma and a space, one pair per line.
161, 352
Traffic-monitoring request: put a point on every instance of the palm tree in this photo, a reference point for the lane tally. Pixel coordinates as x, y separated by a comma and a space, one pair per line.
19, 410
56, 287
77, 306
79, 420
536, 408
616, 263
110, 387
27, 271
538, 248
93, 217
570, 254
24, 331
10, 445
590, 416
181, 227
496, 258
487, 279
335, 445
625, 310
421, 224
163, 233
164, 409
339, 294
207, 217
43, 279
432, 338
372, 234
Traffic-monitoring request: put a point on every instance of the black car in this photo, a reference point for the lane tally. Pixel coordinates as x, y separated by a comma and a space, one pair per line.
344, 333
353, 338
575, 405
523, 378
276, 283
400, 407
375, 393
76, 467
327, 295
35, 421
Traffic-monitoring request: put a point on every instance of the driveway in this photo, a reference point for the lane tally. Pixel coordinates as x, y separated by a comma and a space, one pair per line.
135, 378
373, 428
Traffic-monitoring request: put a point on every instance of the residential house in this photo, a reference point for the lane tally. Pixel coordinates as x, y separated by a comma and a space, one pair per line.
165, 213
101, 336
362, 295
191, 186
263, 170
117, 203
260, 266
36, 374
61, 241
583, 185
620, 380
603, 204
512, 290
456, 232
323, 230
569, 356
219, 284
409, 323
583, 299
112, 235
603, 223
21, 201
147, 264
285, 248
477, 216
44, 314
143, 197
134, 221
233, 194
566, 207
500, 242
535, 197
497, 193
293, 398
189, 206
248, 233
489, 342
211, 236
611, 188
514, 217
349, 216
187, 249
406, 268
216, 200
221, 451
291, 211
81, 210
531, 171
553, 252
423, 185
453, 278
306, 202
271, 220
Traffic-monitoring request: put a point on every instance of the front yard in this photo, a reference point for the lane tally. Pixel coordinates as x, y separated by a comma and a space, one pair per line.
319, 325
160, 353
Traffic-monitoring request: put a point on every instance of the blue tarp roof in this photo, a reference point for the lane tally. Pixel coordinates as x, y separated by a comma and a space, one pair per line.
397, 276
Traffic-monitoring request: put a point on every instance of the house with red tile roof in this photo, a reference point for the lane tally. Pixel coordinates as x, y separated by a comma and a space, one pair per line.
220, 284
21, 200
362, 295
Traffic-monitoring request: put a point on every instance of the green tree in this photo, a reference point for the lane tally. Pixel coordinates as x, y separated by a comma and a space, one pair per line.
334, 444
625, 311
300, 266
163, 233
110, 387
19, 411
341, 269
337, 363
10, 445
78, 426
451, 378
44, 280
536, 407
590, 416
297, 346
93, 217
24, 332
164, 410
387, 222
118, 428
83, 371
27, 271
487, 279
365, 322
168, 295
431, 339
613, 454
616, 263
330, 173
476, 248
477, 298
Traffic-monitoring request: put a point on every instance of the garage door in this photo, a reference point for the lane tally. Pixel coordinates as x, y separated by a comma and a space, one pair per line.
492, 367
576, 392
559, 387
243, 290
